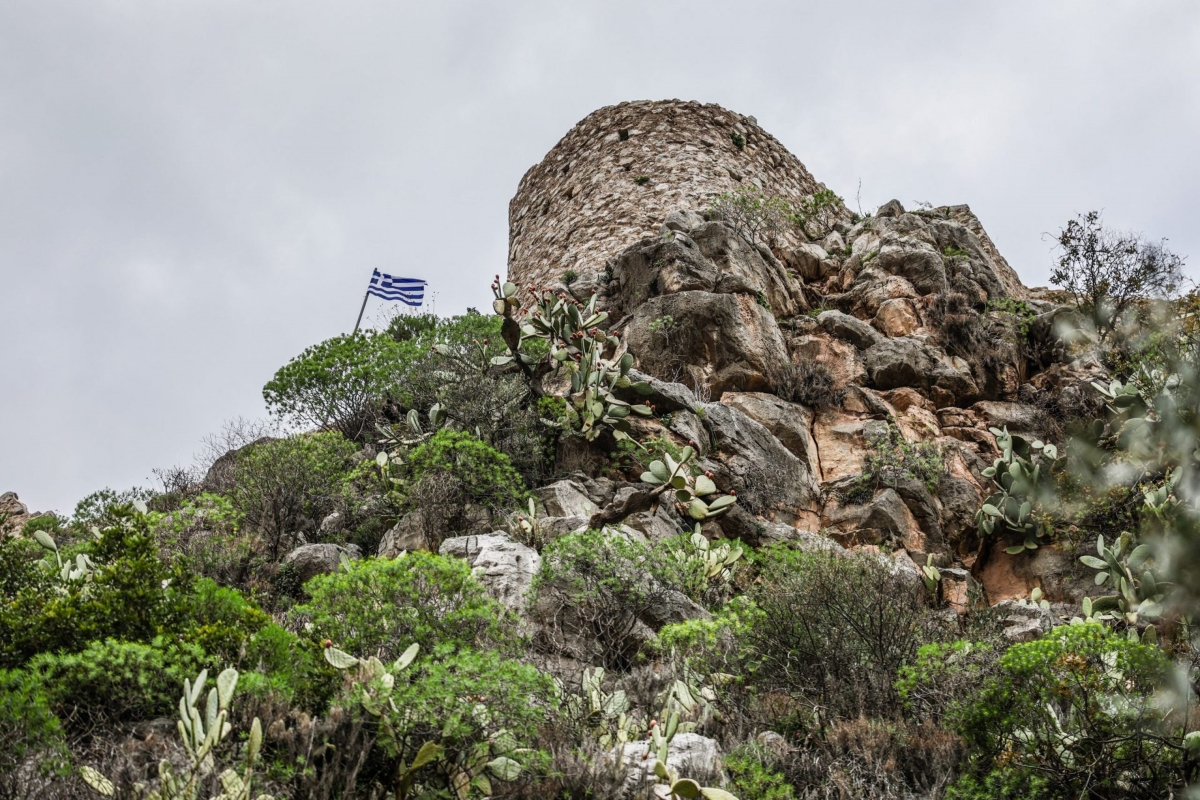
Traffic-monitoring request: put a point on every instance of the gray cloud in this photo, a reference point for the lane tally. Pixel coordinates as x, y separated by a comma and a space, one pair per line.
192, 192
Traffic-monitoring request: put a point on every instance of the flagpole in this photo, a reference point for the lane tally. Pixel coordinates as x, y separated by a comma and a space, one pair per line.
361, 310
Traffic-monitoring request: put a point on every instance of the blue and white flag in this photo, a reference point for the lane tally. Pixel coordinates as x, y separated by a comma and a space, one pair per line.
410, 291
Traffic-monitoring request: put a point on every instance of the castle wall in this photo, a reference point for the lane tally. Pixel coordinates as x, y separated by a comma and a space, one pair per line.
616, 175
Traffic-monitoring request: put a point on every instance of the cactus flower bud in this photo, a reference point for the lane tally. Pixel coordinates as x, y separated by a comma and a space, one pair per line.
327, 644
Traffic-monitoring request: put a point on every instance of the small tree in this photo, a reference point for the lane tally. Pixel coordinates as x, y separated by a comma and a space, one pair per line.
340, 383
1108, 271
285, 487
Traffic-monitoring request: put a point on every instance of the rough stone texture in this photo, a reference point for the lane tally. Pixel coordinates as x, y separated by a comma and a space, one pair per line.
317, 559
13, 513
790, 423
897, 317
724, 342
711, 258
750, 460
690, 755
1023, 622
851, 329
582, 205
566, 499
506, 568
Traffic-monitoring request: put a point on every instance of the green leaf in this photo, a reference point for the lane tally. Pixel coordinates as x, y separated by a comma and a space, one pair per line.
226, 684
94, 779
697, 509
722, 502
1015, 549
504, 768
704, 485
500, 361
711, 793
660, 471
686, 788
339, 659
991, 510
641, 409
428, 752
1093, 562
651, 478
406, 657
45, 540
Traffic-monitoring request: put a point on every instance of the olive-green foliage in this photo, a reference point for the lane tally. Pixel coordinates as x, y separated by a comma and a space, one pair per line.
378, 607
754, 215
751, 775
596, 586
1109, 271
207, 535
113, 681
475, 704
831, 630
284, 488
97, 509
52, 523
454, 369
1076, 708
131, 595
28, 729
340, 383
891, 457
486, 475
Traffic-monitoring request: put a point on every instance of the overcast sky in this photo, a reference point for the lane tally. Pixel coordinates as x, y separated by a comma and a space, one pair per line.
193, 192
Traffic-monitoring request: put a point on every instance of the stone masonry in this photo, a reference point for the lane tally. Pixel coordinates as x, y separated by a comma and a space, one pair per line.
616, 175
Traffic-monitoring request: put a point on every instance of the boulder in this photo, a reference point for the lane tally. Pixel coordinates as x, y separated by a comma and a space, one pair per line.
766, 475
406, 535
851, 329
897, 317
566, 498
883, 519
842, 442
13, 513
709, 257
665, 396
892, 363
317, 559
690, 755
807, 260
506, 568
842, 359
1023, 621
790, 423
724, 342
1021, 419
915, 260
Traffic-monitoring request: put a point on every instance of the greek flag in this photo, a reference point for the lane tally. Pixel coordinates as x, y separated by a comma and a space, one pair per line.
410, 291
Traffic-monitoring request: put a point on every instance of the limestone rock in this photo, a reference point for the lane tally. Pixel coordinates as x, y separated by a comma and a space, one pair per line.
317, 559
1023, 622
763, 472
690, 755
851, 329
506, 568
790, 423
724, 342
665, 396
406, 535
566, 498
897, 317
883, 519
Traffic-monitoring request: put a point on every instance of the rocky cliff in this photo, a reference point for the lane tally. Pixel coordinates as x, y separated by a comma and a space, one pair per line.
797, 362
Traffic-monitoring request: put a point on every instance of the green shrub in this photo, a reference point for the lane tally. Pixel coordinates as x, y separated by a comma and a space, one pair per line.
751, 775
831, 630
892, 458
378, 607
51, 523
97, 509
595, 588
130, 594
284, 488
1076, 708
206, 534
29, 730
340, 383
112, 681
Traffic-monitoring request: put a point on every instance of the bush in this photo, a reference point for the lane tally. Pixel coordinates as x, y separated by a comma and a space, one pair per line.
891, 458
752, 775
129, 594
378, 607
594, 590
113, 681
341, 383
29, 731
810, 383
284, 488
206, 535
452, 474
831, 631
1076, 708
1108, 271
753, 215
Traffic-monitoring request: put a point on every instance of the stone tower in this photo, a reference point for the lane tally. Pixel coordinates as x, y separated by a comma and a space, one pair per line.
616, 175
